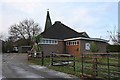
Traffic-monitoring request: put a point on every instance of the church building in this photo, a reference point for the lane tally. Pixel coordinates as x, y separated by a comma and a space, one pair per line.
60, 38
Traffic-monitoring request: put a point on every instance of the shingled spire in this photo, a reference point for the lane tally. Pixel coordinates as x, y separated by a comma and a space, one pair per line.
48, 21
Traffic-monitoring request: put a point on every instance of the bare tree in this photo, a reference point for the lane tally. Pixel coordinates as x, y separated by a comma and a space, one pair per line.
1, 36
25, 30
114, 36
119, 37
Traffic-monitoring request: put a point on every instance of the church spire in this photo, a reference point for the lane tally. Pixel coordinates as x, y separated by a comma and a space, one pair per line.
48, 22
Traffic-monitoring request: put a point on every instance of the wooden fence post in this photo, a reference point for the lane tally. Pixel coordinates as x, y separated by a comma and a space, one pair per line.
82, 63
118, 54
96, 69
94, 65
74, 63
108, 55
42, 55
28, 55
52, 59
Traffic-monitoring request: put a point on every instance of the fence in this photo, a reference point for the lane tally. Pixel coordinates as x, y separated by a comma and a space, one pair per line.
88, 65
63, 60
39, 55
105, 65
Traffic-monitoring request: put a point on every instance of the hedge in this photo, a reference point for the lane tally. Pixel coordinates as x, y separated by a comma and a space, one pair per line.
113, 48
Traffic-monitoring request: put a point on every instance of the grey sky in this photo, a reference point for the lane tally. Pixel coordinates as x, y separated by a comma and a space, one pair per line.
95, 18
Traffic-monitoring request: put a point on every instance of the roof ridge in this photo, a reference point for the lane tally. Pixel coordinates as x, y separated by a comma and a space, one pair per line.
65, 25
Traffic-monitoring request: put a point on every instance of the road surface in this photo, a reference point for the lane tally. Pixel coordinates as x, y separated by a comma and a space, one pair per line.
15, 66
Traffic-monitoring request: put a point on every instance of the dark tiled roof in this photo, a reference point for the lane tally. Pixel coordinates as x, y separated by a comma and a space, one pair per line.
60, 31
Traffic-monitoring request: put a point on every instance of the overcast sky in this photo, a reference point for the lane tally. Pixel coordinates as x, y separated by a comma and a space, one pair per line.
95, 18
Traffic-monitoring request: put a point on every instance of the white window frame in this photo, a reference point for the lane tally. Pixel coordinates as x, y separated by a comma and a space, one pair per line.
69, 43
48, 41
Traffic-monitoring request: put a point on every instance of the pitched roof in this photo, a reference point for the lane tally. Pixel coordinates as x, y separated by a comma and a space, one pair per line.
84, 34
60, 31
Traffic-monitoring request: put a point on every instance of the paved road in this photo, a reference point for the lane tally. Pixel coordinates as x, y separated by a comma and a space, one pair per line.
15, 65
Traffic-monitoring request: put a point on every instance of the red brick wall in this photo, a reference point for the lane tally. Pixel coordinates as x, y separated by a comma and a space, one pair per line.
73, 49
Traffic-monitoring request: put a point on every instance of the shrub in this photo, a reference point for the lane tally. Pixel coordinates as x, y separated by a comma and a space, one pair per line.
113, 48
94, 47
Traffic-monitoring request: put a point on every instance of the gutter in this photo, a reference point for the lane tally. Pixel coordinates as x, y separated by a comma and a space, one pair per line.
91, 39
